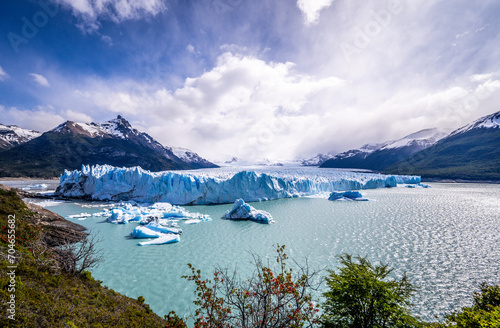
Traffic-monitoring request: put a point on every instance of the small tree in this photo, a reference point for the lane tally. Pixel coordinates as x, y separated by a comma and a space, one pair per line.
361, 295
267, 299
485, 312
74, 258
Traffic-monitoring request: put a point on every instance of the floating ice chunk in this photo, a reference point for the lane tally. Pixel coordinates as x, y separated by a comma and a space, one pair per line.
144, 232
423, 185
243, 211
45, 203
116, 216
36, 186
163, 239
81, 215
347, 195
163, 229
192, 221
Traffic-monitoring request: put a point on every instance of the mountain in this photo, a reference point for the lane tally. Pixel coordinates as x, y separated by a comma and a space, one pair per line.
469, 153
72, 144
12, 135
316, 160
235, 161
192, 158
380, 156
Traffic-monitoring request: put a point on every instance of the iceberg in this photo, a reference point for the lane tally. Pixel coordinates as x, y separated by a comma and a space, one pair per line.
163, 239
162, 229
214, 186
243, 211
144, 232
347, 195
153, 231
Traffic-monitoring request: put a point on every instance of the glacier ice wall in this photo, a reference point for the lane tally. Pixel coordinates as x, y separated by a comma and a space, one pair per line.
214, 186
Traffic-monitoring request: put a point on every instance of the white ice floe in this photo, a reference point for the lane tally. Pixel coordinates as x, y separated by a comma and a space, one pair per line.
243, 211
81, 215
158, 220
45, 203
163, 239
36, 186
192, 221
215, 186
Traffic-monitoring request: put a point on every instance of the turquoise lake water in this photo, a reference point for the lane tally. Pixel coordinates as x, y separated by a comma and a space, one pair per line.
446, 238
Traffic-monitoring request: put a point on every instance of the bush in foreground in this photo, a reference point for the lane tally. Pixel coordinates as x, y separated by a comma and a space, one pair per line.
484, 313
269, 298
361, 295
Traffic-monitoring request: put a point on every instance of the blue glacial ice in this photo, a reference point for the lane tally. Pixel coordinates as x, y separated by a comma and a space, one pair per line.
347, 195
215, 186
243, 211
158, 220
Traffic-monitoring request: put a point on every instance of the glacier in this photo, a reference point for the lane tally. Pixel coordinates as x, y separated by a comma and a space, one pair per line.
215, 186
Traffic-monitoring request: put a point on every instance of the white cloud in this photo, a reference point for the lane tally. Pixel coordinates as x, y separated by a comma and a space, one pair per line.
40, 79
92, 11
251, 108
3, 75
244, 106
39, 119
107, 39
312, 8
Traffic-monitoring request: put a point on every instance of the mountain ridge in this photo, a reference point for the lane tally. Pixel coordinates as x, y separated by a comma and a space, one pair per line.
471, 152
379, 156
72, 144
12, 136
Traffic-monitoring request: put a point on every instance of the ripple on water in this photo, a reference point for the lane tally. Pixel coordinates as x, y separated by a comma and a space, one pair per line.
445, 238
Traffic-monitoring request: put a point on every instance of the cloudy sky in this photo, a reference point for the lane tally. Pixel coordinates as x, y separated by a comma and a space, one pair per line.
251, 79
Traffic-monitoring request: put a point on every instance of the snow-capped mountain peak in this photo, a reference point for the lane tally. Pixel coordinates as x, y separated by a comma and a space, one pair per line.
316, 160
422, 138
491, 121
189, 156
118, 127
12, 135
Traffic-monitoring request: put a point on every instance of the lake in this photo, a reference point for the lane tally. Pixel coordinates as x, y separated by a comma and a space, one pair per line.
445, 238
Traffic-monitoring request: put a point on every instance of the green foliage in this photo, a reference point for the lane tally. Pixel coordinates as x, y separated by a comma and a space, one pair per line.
173, 321
266, 299
46, 297
484, 313
474, 155
361, 295
12, 206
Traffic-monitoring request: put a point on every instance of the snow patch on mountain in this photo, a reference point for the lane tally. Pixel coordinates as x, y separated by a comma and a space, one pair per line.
12, 135
317, 160
424, 138
491, 121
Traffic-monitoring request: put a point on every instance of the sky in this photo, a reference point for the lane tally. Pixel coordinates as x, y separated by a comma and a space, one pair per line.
251, 79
